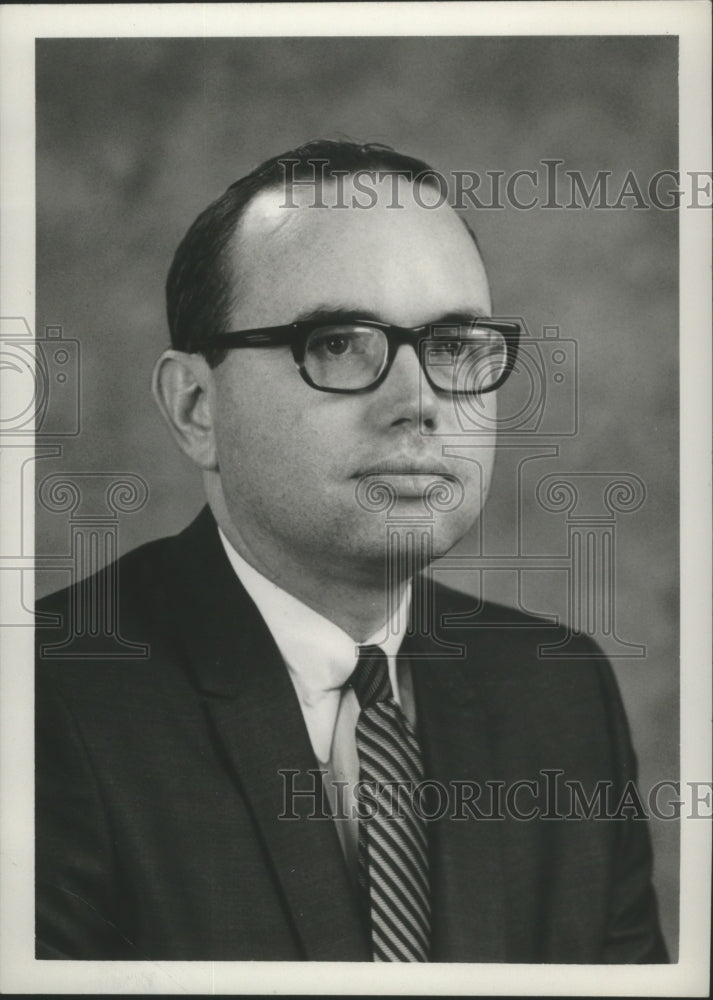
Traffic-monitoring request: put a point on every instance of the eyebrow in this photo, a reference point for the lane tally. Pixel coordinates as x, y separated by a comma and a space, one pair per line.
340, 314
335, 313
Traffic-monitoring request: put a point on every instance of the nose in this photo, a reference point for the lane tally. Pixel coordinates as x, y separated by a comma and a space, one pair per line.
406, 395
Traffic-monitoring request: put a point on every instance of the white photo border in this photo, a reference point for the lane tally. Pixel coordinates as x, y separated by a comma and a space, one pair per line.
689, 20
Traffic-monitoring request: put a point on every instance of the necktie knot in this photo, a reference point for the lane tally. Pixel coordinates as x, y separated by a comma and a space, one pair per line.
370, 678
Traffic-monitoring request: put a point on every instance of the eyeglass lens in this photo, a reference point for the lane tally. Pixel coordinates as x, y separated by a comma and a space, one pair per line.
461, 358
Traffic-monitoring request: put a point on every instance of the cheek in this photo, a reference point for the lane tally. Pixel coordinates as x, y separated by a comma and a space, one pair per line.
251, 408
490, 412
273, 438
256, 447
469, 439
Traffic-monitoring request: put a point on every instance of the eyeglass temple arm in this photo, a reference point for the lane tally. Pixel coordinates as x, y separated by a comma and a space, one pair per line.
247, 338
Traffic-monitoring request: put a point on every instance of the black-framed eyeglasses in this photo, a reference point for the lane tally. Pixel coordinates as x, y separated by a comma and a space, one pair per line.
465, 357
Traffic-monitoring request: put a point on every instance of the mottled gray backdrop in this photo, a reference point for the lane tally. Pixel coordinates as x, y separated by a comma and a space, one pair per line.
135, 137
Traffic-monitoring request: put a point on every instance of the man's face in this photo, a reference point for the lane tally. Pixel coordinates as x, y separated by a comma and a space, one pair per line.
290, 457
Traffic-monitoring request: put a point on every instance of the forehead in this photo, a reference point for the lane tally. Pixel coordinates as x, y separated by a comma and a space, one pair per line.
407, 264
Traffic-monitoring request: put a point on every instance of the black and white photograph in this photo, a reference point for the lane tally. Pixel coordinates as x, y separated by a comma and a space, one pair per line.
356, 498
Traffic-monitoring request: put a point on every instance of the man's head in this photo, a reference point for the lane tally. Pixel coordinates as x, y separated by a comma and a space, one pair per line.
285, 464
201, 284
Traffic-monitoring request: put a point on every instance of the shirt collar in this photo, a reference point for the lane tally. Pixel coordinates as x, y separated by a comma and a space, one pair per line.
320, 656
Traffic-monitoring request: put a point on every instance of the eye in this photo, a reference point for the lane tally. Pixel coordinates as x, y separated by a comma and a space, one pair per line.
337, 344
342, 342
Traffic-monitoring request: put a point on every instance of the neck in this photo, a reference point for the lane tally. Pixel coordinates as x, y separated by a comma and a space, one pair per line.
360, 600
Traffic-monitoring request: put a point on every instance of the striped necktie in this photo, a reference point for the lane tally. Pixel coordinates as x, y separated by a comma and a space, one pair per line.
393, 859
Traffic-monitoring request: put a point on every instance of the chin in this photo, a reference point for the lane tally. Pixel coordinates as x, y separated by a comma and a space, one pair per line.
412, 544
443, 543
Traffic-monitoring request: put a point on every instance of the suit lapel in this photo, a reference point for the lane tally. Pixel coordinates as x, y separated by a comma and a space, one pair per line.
253, 708
252, 705
468, 920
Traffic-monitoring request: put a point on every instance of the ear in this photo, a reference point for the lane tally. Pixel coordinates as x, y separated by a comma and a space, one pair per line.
182, 386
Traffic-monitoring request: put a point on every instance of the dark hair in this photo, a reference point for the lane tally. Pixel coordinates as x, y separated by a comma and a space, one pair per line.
200, 283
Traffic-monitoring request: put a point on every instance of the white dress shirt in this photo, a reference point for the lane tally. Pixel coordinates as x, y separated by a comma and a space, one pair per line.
320, 659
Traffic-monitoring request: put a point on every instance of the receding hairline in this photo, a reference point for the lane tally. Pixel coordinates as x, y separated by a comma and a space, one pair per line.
272, 197
202, 284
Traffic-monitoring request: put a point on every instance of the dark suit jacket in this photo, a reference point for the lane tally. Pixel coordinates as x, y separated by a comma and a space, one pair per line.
158, 786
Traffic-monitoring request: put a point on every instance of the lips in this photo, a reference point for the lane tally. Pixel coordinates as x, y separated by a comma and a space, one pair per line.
406, 466
408, 477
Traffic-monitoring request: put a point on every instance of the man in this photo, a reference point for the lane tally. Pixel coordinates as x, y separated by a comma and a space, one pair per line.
237, 794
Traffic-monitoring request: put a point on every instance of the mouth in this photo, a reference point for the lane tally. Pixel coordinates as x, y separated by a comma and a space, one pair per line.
408, 479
